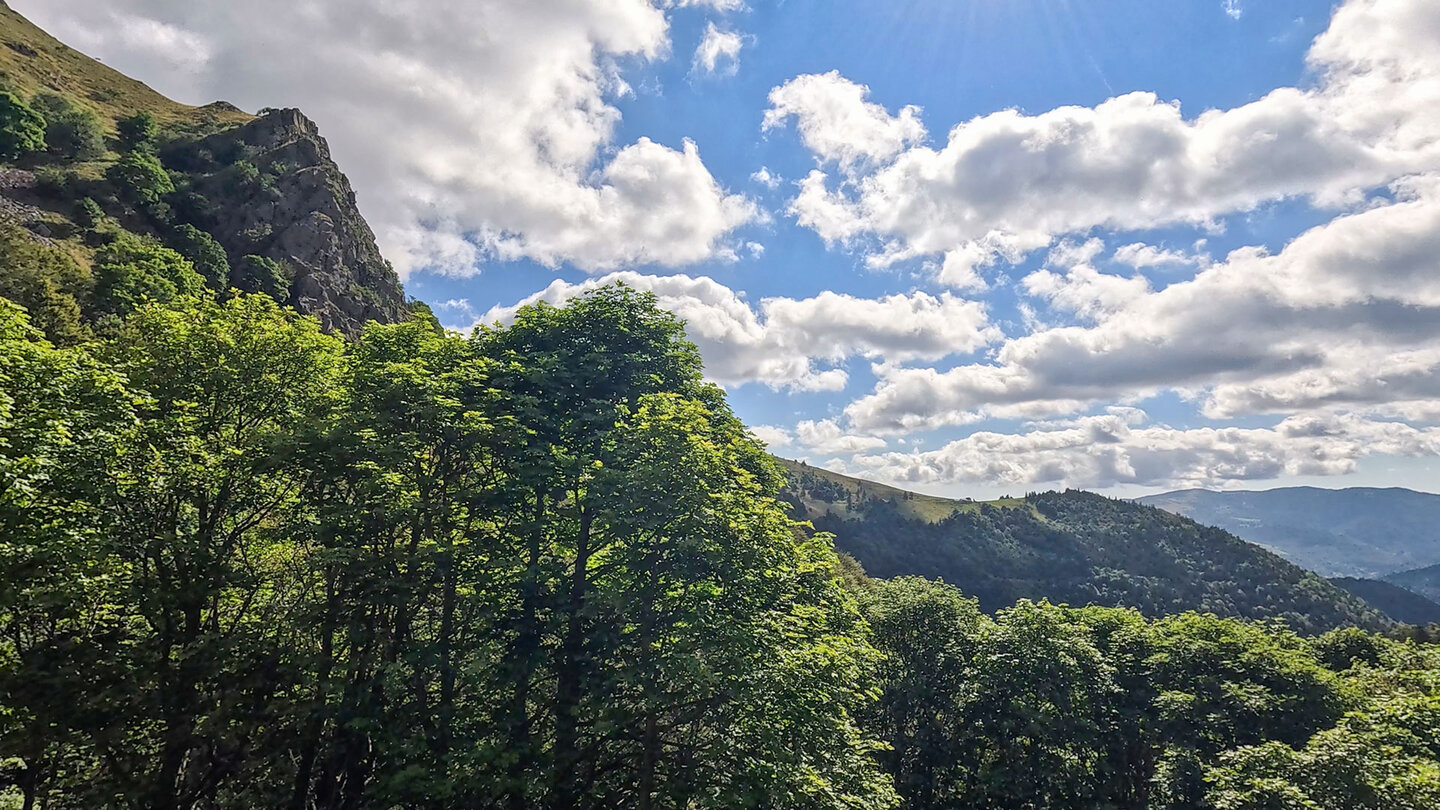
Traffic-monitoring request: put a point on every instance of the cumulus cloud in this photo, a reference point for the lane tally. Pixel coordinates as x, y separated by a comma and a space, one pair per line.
825, 437
1347, 314
1114, 449
1140, 255
483, 122
1007, 183
836, 122
789, 343
718, 51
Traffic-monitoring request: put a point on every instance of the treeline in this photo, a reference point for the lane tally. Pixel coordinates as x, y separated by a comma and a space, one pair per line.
1042, 706
247, 564
244, 564
1080, 548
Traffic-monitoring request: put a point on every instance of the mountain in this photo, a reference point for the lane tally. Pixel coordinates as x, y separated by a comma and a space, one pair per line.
1424, 581
1402, 605
254, 202
1357, 532
1073, 547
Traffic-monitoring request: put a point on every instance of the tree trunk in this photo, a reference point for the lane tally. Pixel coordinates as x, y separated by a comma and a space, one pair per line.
568, 677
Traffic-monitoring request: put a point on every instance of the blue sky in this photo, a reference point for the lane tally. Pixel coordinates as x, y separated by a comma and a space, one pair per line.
946, 243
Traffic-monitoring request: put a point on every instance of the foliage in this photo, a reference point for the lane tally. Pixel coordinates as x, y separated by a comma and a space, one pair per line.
46, 281
71, 132
204, 253
140, 179
131, 271
137, 132
1050, 707
22, 129
1080, 548
259, 274
545, 566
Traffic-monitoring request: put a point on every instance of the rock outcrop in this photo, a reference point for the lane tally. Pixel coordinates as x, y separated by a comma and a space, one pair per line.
270, 188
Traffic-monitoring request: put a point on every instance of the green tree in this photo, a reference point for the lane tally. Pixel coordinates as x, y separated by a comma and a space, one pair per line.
137, 133
71, 133
22, 129
204, 253
140, 179
131, 271
259, 274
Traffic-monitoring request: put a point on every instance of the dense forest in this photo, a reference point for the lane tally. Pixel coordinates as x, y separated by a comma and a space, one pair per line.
1072, 547
247, 564
270, 537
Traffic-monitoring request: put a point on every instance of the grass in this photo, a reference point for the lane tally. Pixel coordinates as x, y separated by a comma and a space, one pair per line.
913, 505
32, 61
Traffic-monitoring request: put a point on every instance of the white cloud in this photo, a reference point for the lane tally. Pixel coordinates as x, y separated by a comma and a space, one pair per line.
1114, 449
1007, 183
718, 52
838, 124
825, 437
1347, 314
1140, 255
484, 121
773, 437
766, 178
1233, 9
788, 343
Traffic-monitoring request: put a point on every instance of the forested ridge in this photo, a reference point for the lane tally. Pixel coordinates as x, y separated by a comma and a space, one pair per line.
1073, 547
258, 553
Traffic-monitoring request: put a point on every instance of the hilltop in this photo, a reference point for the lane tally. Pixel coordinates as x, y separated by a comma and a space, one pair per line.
1356, 532
129, 186
1073, 547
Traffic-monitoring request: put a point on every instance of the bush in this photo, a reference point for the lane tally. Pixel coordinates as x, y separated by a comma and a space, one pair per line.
140, 179
137, 132
257, 274
204, 253
70, 132
22, 130
132, 270
88, 213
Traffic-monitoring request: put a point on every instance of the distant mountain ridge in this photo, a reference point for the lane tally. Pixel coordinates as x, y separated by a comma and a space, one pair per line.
1073, 547
1424, 581
1357, 532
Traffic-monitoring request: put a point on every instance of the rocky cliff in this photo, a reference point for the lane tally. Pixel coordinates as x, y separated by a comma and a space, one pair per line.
269, 188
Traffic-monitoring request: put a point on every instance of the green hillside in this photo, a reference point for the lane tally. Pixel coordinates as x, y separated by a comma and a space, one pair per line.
1424, 581
1072, 547
1401, 604
33, 62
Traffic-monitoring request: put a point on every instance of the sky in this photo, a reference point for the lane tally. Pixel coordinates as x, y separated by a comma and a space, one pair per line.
970, 247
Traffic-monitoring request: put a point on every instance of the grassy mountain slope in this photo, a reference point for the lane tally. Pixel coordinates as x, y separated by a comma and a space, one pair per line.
32, 61
1357, 532
252, 202
1073, 547
1400, 604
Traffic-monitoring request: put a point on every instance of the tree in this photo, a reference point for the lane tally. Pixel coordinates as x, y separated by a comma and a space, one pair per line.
22, 129
204, 253
71, 133
137, 133
141, 179
929, 635
131, 271
260, 274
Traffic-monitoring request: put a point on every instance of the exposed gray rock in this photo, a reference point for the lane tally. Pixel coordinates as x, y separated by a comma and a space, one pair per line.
299, 211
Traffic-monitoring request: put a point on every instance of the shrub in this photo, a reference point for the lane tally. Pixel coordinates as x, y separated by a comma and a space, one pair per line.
204, 253
132, 270
137, 132
22, 130
140, 178
257, 274
70, 132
